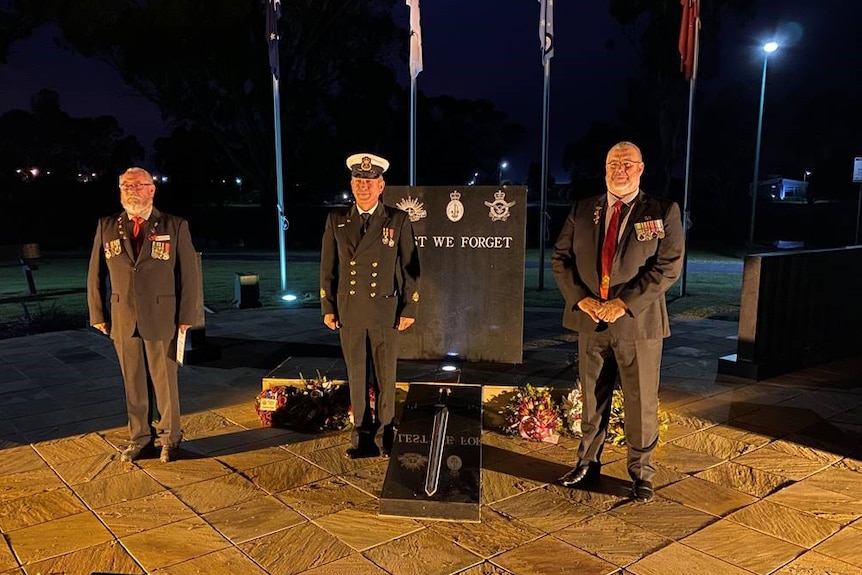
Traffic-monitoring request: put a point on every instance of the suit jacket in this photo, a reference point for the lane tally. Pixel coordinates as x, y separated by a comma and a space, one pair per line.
154, 293
370, 280
643, 269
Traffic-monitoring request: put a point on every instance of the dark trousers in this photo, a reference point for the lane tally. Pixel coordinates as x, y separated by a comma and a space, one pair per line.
371, 356
600, 357
156, 359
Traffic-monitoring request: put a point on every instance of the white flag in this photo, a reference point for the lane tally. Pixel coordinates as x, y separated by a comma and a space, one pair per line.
415, 39
546, 29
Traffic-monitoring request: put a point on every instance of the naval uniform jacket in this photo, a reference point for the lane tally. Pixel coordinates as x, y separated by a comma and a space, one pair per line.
154, 293
371, 280
648, 260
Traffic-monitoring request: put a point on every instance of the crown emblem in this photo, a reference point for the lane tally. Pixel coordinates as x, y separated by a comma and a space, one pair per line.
365, 166
500, 195
455, 195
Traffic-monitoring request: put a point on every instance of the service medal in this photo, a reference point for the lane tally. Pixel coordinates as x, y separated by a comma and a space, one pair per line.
161, 251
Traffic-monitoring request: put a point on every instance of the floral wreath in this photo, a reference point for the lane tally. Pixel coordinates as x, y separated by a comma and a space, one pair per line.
319, 405
531, 413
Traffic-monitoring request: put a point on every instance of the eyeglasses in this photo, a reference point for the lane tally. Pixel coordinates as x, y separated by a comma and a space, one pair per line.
135, 187
626, 166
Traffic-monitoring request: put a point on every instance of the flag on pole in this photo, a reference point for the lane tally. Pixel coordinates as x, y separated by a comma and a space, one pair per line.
687, 32
415, 39
546, 29
273, 13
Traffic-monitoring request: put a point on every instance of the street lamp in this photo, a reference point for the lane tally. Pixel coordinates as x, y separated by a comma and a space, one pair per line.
503, 165
768, 49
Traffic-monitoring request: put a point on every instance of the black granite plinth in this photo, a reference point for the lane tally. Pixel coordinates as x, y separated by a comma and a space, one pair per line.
457, 490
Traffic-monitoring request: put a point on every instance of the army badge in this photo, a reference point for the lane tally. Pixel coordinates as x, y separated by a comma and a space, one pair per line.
414, 208
388, 237
113, 248
649, 230
161, 251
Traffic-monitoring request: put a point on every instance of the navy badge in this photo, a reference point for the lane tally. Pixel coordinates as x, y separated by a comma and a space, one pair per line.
455, 209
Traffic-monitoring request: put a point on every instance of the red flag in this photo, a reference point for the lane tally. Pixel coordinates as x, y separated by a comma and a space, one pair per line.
687, 32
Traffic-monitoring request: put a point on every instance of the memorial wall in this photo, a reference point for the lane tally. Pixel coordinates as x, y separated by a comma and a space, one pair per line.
472, 244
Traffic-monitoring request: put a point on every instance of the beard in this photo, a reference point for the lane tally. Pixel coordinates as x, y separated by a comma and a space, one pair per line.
135, 206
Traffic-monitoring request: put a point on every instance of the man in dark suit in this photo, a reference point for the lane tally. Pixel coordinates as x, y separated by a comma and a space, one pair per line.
369, 291
143, 288
617, 255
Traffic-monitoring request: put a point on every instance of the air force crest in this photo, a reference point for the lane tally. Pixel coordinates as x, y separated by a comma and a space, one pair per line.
499, 208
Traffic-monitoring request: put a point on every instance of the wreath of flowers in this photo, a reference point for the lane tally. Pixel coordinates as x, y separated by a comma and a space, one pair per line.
531, 413
319, 405
571, 410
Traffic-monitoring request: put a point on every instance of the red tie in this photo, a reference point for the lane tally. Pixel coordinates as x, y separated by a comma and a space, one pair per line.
137, 235
609, 248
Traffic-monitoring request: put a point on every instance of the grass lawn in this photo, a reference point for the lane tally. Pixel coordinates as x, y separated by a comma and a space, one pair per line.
62, 301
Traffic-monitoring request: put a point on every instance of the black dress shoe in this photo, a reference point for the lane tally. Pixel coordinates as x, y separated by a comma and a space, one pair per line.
642, 490
582, 475
359, 453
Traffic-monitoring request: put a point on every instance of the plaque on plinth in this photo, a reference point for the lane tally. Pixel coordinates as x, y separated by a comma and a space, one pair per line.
436, 461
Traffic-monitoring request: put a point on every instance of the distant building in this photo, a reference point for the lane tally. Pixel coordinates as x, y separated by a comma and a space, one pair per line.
783, 190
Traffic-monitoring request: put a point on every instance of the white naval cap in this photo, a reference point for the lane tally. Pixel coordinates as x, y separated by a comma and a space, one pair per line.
367, 166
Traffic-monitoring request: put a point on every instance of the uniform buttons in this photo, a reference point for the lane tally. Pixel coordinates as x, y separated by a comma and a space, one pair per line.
352, 292
374, 264
373, 294
353, 272
373, 284
374, 274
353, 282
353, 263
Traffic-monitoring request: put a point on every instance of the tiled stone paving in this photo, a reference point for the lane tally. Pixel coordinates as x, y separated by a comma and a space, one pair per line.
754, 478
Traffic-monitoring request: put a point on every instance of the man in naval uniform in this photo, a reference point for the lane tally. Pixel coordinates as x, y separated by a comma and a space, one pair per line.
369, 291
143, 288
617, 255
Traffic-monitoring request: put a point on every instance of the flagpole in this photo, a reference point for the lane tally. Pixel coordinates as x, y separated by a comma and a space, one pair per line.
685, 209
273, 13
279, 186
543, 198
415, 66
412, 179
546, 42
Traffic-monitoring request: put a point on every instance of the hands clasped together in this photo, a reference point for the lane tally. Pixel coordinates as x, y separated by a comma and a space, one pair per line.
607, 311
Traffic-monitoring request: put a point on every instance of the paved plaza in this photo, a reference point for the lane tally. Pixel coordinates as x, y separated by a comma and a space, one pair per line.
761, 478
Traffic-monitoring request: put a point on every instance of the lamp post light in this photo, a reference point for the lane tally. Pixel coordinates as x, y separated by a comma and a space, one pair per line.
768, 49
503, 165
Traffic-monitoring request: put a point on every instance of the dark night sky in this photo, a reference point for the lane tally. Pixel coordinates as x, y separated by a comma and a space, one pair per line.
490, 49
